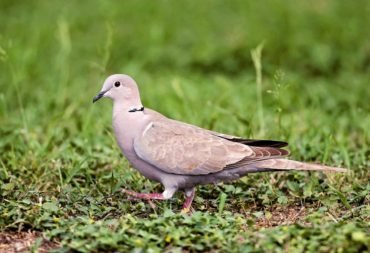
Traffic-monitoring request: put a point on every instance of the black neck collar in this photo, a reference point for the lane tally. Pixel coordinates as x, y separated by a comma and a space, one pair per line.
137, 110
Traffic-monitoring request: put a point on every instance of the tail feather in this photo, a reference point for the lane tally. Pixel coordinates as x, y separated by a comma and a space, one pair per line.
285, 164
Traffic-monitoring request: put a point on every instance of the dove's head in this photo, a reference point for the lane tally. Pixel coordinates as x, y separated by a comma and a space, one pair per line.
120, 88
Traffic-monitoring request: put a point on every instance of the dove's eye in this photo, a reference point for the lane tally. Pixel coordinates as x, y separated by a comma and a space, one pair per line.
117, 84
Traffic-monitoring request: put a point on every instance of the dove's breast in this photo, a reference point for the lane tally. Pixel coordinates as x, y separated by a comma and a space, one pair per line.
126, 127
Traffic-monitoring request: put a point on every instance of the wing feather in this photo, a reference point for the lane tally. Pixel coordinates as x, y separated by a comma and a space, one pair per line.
179, 148
248, 142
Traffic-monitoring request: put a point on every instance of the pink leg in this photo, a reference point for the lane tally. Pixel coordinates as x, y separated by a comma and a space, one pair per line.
189, 199
147, 196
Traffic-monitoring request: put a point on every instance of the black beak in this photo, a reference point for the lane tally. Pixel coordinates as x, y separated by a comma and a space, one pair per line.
99, 96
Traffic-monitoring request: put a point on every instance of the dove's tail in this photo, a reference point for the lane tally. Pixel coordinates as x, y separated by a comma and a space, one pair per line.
269, 165
285, 164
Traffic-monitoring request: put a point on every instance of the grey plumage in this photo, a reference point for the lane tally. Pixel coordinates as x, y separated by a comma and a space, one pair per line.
181, 156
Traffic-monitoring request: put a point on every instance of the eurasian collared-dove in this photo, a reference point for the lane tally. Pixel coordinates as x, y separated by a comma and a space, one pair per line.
181, 156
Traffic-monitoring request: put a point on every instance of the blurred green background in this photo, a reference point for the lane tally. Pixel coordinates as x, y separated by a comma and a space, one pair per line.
192, 61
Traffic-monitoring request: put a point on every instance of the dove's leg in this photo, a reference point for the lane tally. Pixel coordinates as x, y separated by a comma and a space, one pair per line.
167, 194
189, 199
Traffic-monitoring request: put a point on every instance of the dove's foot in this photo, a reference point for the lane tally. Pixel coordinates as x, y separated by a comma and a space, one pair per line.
167, 194
189, 199
148, 196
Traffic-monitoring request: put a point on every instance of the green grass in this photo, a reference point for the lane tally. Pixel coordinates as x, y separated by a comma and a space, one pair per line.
61, 170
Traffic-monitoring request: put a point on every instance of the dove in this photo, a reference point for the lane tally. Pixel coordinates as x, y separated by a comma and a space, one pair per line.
182, 156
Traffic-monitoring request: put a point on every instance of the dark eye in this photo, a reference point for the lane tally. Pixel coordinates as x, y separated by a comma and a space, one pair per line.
117, 84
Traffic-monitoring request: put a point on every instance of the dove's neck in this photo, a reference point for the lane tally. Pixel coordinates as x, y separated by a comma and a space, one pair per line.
127, 106
127, 123
127, 116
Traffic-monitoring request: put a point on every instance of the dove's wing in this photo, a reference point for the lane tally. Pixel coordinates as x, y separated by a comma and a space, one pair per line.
251, 142
233, 138
179, 148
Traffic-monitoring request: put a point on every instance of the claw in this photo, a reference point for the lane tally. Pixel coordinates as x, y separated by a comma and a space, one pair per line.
188, 201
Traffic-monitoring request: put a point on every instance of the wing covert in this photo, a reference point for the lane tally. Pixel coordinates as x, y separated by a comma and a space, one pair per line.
181, 149
178, 148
